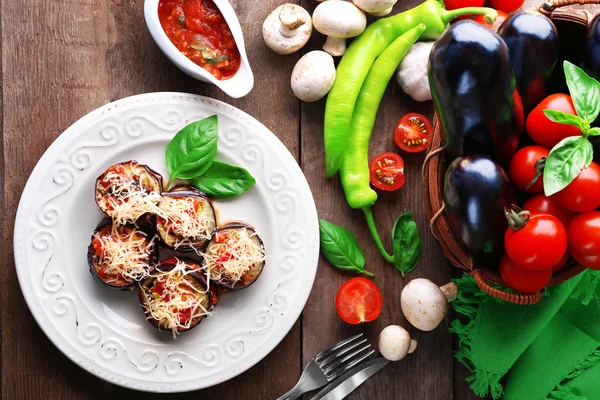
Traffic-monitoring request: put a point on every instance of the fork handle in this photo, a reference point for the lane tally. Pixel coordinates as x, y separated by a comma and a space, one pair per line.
294, 393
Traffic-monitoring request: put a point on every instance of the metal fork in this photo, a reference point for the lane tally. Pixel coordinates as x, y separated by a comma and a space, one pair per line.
329, 364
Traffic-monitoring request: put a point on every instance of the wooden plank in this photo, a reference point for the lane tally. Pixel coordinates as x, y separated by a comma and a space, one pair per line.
93, 52
427, 374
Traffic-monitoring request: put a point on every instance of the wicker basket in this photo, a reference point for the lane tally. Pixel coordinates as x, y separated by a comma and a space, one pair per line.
570, 23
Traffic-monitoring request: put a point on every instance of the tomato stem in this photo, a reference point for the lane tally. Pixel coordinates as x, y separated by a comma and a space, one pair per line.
516, 218
375, 234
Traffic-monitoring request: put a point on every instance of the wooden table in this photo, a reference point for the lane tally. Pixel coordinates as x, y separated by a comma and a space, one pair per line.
62, 59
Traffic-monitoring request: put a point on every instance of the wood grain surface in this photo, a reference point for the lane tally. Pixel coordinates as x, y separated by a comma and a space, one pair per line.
63, 58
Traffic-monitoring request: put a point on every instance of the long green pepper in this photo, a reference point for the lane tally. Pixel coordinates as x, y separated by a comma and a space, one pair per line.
359, 58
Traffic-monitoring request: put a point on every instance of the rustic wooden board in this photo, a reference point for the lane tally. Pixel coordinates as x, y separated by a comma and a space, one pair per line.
88, 53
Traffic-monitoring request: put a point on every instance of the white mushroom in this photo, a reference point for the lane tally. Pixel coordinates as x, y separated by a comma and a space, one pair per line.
395, 343
338, 20
412, 72
287, 28
313, 76
424, 304
377, 8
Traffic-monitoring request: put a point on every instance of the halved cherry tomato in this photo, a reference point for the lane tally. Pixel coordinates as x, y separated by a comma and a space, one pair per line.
523, 280
358, 301
507, 5
583, 194
540, 244
496, 25
413, 132
545, 132
387, 171
584, 233
548, 205
523, 169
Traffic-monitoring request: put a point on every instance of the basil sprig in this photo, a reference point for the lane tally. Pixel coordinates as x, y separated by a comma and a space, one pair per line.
340, 248
406, 243
191, 155
573, 154
223, 181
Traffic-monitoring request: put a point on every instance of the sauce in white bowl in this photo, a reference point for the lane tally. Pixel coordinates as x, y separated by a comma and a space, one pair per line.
238, 85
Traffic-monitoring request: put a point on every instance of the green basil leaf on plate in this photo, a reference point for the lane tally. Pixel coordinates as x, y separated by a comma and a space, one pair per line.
406, 243
340, 248
192, 151
565, 162
585, 92
223, 181
566, 118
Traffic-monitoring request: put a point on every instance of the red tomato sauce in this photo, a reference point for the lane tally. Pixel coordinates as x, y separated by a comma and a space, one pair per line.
197, 28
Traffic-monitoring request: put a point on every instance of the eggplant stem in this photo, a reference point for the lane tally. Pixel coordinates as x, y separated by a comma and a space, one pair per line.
375, 234
489, 14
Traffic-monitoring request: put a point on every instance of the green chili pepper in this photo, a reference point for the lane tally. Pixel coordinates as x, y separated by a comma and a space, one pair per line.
359, 58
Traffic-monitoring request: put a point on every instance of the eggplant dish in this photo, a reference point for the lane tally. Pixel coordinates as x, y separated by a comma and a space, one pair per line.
234, 257
185, 219
120, 255
127, 191
175, 296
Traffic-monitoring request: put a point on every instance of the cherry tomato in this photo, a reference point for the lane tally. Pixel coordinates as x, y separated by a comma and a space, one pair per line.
548, 205
507, 6
523, 280
387, 171
588, 261
496, 25
540, 244
562, 262
358, 301
413, 132
523, 168
454, 4
583, 194
545, 132
584, 233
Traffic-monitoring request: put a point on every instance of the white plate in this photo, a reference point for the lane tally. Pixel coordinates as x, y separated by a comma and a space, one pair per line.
105, 331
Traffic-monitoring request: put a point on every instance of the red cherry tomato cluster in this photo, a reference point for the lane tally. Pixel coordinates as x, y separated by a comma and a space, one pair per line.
542, 240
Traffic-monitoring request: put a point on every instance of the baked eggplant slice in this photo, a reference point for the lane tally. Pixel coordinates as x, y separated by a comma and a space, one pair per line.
129, 192
185, 219
175, 296
234, 257
120, 255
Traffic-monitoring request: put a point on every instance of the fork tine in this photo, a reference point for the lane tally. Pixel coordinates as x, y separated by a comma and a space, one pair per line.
341, 361
339, 353
336, 346
334, 374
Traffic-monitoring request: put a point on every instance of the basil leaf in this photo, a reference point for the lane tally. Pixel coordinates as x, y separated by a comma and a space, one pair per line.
407, 244
566, 118
192, 151
565, 162
340, 248
223, 181
594, 132
585, 92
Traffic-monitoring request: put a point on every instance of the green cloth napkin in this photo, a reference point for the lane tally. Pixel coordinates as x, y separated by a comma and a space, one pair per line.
551, 348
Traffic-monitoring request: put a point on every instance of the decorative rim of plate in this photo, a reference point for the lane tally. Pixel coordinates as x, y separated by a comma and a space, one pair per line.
46, 218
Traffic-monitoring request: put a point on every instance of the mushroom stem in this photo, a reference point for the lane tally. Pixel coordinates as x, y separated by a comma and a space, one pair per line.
383, 12
335, 46
291, 19
450, 290
413, 346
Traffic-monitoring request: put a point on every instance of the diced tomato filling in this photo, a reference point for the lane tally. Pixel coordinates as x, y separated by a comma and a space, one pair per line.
159, 288
98, 247
185, 315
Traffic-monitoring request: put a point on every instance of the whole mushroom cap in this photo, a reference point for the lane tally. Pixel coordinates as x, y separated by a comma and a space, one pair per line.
287, 29
395, 343
340, 19
423, 304
313, 76
377, 8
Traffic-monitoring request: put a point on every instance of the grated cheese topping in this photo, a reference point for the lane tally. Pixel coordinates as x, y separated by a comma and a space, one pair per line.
185, 221
232, 254
127, 197
177, 304
125, 254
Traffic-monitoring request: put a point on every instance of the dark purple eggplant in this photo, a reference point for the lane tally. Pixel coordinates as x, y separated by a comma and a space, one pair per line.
100, 259
534, 48
169, 224
217, 257
591, 52
474, 92
476, 193
191, 280
118, 182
